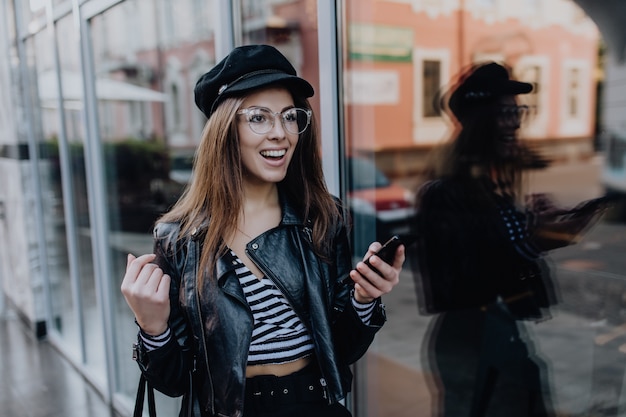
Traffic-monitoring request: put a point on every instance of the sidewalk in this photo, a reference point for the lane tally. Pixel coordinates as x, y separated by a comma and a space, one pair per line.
36, 381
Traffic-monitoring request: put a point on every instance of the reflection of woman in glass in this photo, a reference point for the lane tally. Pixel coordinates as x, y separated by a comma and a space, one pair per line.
243, 309
480, 254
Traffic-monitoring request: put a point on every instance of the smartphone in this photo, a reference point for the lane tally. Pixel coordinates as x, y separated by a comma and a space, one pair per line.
388, 251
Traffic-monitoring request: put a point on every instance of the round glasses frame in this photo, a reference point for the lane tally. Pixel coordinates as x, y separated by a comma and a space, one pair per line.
262, 120
520, 111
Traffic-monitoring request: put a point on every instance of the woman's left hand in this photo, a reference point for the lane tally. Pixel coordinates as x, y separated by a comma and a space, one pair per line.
368, 284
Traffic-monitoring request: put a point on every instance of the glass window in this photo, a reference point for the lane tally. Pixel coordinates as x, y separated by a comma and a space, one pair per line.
85, 307
290, 26
65, 198
413, 367
149, 128
59, 133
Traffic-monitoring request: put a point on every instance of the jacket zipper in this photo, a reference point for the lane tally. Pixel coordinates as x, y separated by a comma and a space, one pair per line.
197, 297
288, 297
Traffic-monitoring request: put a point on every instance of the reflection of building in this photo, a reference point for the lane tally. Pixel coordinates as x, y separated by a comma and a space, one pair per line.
395, 66
400, 59
397, 55
172, 54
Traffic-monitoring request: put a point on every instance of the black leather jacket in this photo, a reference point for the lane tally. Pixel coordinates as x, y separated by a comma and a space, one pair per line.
212, 333
469, 254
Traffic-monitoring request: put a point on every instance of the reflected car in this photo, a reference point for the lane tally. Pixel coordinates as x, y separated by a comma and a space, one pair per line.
379, 207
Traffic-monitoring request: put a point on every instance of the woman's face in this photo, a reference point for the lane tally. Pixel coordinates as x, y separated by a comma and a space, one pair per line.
508, 121
265, 156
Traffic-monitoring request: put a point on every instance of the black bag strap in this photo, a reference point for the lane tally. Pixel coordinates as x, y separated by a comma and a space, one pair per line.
141, 392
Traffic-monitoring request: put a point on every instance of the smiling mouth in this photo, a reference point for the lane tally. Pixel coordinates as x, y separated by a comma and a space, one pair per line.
274, 154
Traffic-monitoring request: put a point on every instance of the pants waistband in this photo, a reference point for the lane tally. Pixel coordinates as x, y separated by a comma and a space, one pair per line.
268, 391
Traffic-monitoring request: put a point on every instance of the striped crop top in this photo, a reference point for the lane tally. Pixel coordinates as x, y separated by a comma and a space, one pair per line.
279, 336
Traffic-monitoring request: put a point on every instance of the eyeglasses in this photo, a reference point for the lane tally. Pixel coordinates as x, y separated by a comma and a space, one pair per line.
261, 120
514, 111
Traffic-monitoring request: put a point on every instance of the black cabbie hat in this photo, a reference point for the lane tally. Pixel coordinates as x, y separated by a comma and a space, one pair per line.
483, 84
244, 69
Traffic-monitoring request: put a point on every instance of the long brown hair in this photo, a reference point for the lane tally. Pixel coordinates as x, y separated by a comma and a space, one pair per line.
214, 197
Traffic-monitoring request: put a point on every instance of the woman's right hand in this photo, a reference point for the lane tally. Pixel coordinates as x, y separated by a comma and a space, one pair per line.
146, 290
556, 227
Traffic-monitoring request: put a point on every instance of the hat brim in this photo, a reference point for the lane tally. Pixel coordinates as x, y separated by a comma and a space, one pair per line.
512, 87
295, 84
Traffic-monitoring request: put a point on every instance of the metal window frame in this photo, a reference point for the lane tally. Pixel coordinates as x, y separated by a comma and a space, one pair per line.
96, 189
329, 52
69, 204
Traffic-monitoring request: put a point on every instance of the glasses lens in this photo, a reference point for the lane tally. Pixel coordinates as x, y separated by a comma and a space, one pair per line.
260, 120
514, 111
295, 120
523, 111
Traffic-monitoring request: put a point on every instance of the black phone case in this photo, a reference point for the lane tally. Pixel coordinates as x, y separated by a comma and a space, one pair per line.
387, 252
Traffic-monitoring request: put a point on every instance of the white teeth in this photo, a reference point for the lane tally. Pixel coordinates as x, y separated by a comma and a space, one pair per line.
274, 153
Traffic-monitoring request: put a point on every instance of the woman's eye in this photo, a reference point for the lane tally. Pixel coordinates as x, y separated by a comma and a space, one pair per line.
257, 118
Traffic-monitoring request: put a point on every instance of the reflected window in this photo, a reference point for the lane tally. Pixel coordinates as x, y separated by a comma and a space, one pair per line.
290, 26
573, 92
430, 87
532, 74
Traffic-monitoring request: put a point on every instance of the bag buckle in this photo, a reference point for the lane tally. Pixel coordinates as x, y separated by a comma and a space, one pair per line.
137, 352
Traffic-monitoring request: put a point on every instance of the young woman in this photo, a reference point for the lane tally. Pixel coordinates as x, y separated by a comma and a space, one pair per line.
242, 308
480, 255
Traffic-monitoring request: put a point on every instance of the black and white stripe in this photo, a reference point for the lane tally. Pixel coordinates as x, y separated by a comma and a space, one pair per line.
279, 336
154, 342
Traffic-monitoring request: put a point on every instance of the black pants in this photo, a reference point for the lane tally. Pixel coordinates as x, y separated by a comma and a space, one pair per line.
302, 410
297, 395
483, 363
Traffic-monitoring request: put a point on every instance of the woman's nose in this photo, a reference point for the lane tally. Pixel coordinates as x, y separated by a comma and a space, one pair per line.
278, 129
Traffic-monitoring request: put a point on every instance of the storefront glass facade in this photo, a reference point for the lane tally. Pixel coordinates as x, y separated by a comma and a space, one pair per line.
100, 127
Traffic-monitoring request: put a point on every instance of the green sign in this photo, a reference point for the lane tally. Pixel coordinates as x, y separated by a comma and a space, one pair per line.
380, 43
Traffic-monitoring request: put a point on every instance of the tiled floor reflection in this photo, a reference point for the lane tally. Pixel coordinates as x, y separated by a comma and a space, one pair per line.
36, 381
